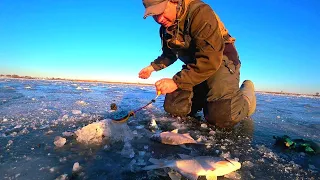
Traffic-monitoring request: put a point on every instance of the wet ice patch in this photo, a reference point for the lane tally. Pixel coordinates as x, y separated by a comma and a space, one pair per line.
97, 132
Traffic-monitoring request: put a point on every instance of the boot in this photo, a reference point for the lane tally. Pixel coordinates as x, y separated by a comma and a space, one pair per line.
247, 89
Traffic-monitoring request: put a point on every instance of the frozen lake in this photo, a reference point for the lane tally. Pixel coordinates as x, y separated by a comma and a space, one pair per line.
34, 112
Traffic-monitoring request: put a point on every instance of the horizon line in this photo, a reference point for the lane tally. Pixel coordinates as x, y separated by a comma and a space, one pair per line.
15, 76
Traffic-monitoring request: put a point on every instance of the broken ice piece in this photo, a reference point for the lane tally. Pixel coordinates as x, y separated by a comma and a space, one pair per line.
76, 167
9, 143
52, 169
233, 175
59, 141
49, 132
153, 125
248, 164
62, 177
204, 125
140, 127
81, 103
67, 134
106, 147
212, 133
75, 112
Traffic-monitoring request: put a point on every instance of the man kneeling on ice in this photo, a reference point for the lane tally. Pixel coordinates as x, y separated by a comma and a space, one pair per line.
192, 32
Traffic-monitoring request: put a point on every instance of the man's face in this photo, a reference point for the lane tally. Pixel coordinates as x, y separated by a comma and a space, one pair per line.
168, 17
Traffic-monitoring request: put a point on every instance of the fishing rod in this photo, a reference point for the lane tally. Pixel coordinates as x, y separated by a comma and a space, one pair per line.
132, 113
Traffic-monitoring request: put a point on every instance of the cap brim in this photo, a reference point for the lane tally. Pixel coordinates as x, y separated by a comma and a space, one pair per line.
155, 9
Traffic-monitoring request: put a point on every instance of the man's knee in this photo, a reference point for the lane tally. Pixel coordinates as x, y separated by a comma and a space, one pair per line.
178, 102
219, 114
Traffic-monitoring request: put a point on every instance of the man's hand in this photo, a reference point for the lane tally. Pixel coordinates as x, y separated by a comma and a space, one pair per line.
166, 85
145, 73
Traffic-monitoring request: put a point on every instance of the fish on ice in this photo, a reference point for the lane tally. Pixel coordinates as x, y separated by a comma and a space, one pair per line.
174, 138
193, 167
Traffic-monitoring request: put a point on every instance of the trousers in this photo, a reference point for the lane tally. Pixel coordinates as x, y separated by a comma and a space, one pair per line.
219, 96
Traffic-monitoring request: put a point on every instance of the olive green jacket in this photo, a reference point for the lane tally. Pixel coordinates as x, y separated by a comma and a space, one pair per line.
203, 54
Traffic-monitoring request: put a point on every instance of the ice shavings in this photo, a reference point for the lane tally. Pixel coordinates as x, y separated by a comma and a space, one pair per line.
97, 132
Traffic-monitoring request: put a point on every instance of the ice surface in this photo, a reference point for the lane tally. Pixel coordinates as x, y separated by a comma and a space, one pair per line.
30, 119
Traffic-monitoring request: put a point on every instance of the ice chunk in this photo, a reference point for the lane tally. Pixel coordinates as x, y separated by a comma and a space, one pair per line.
127, 150
62, 177
76, 167
106, 147
76, 112
18, 126
53, 169
233, 176
81, 103
9, 143
153, 125
64, 159
140, 127
212, 133
59, 141
49, 132
96, 132
204, 126
67, 134
247, 164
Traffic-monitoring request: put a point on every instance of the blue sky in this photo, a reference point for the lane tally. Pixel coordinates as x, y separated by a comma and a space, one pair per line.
278, 41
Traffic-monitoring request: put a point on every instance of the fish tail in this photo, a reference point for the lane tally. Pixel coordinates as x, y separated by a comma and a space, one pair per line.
157, 164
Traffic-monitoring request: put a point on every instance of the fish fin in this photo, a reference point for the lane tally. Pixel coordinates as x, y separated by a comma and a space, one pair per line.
185, 147
184, 156
174, 175
151, 167
188, 175
187, 135
175, 131
211, 177
199, 140
156, 161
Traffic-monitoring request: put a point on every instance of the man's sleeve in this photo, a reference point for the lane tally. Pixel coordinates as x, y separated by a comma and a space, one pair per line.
209, 50
167, 57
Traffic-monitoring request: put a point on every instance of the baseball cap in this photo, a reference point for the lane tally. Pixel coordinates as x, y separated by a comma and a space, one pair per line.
154, 7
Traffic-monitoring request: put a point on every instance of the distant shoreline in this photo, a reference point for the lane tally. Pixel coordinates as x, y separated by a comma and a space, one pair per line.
139, 84
72, 80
